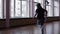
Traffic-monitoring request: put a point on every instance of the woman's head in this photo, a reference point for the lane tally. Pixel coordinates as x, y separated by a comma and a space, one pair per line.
39, 5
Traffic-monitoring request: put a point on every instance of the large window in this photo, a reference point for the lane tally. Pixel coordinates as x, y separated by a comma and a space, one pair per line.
52, 6
19, 8
1, 12
24, 8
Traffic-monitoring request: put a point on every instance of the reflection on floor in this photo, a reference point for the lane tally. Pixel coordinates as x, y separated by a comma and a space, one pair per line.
50, 28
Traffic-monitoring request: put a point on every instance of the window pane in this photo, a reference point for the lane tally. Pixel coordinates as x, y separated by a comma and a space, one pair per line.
24, 12
50, 1
12, 8
27, 8
56, 12
50, 13
1, 15
35, 3
49, 8
17, 9
56, 8
39, 1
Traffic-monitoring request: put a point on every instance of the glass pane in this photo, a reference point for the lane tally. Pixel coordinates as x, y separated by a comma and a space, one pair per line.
12, 8
56, 8
49, 8
35, 3
56, 11
50, 13
1, 14
27, 8
17, 8
24, 13
50, 1
39, 1
35, 7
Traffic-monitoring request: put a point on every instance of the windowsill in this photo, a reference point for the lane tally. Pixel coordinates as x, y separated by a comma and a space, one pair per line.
30, 17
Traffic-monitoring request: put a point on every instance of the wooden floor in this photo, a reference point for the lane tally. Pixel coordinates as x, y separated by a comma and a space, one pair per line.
50, 28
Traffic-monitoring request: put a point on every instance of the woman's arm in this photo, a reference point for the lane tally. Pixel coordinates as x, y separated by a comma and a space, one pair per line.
35, 14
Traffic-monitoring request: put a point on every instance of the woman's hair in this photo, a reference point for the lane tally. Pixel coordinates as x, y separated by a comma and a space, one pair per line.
39, 5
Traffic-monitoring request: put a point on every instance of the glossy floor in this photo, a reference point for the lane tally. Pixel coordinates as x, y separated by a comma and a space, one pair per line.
50, 28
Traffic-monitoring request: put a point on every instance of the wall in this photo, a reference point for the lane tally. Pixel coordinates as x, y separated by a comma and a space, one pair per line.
25, 21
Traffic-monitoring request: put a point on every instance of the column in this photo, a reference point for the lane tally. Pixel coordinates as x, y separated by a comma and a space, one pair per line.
59, 15
52, 4
32, 8
59, 7
7, 13
3, 7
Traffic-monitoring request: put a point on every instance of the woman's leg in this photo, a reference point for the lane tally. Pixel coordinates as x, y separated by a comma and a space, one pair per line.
42, 25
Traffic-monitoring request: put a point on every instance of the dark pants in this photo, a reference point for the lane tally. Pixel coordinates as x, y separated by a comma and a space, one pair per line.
40, 22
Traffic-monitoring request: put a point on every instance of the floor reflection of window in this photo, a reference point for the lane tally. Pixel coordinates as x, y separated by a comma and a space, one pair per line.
56, 27
49, 29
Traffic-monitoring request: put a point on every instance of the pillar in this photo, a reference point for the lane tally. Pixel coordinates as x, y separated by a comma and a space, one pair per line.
7, 13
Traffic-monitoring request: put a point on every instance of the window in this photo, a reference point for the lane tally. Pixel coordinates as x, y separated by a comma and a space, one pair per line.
56, 8
49, 8
35, 3
38, 1
23, 8
52, 7
19, 8
12, 9
1, 12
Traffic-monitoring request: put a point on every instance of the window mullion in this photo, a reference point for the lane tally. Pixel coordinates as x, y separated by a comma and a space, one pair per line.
53, 6
32, 8
3, 8
21, 8
14, 7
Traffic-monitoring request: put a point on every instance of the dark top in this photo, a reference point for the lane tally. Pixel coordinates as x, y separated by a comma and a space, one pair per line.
40, 13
